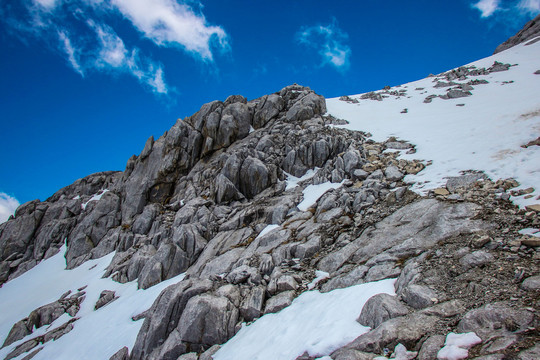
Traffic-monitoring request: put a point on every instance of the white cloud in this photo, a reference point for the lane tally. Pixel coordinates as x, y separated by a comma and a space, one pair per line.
167, 22
83, 31
70, 52
8, 205
487, 7
530, 6
330, 42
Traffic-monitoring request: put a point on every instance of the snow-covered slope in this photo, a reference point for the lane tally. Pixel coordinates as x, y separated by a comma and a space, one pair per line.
484, 131
99, 333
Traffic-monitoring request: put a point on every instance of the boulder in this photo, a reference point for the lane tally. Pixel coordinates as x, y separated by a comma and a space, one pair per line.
207, 320
254, 177
380, 308
279, 302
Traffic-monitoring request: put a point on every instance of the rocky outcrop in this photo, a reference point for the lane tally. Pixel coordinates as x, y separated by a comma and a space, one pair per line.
217, 198
531, 31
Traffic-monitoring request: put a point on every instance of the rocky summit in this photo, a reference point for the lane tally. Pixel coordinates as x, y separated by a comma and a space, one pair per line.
249, 211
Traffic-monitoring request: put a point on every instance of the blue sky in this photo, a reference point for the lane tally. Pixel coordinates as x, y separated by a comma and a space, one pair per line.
84, 83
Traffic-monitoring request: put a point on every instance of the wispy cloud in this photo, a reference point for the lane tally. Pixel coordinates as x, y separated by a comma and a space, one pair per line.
330, 42
8, 205
508, 11
167, 22
83, 31
530, 6
487, 7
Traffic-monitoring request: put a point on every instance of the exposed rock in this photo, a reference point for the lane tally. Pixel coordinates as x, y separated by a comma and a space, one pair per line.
405, 330
531, 283
431, 347
105, 297
476, 258
122, 354
279, 302
380, 308
494, 320
528, 32
207, 320
419, 296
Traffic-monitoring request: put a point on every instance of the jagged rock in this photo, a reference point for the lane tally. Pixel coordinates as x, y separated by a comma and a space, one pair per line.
165, 314
225, 190
286, 282
268, 108
495, 320
380, 308
17, 332
279, 302
419, 225
266, 265
252, 305
241, 274
306, 107
446, 309
105, 297
405, 330
122, 354
419, 296
254, 177
207, 355
392, 173
207, 320
93, 228
431, 347
456, 93
353, 277
144, 221
497, 66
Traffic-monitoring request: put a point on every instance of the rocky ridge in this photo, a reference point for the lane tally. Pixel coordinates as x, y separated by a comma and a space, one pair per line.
215, 198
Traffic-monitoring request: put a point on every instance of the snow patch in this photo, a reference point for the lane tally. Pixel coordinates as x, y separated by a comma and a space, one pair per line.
293, 181
486, 133
312, 193
318, 323
98, 334
456, 346
96, 197
319, 276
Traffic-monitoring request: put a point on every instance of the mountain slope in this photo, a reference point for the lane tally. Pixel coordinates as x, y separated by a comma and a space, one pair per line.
273, 229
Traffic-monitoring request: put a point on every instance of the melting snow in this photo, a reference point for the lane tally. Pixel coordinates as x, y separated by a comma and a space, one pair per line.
98, 334
312, 193
486, 133
96, 197
318, 323
293, 181
456, 346
319, 276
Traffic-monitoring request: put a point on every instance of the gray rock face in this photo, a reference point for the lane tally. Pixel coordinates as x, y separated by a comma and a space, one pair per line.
405, 330
254, 177
392, 173
380, 308
495, 320
431, 347
207, 320
307, 107
419, 296
164, 316
457, 182
122, 354
528, 32
105, 297
419, 225
279, 302
268, 108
